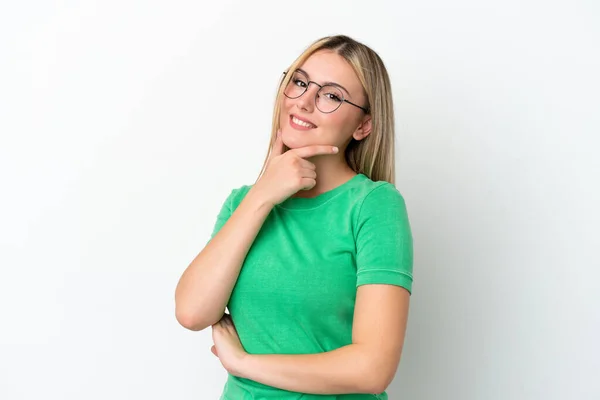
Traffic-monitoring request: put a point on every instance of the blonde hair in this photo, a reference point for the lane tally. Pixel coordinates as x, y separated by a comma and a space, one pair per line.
373, 156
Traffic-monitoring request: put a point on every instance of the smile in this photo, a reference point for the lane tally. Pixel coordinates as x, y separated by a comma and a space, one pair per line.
298, 123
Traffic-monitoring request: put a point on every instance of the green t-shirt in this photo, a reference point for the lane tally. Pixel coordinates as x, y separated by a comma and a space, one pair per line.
297, 287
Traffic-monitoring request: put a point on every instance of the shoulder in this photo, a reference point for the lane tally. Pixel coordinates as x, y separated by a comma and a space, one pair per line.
380, 197
382, 191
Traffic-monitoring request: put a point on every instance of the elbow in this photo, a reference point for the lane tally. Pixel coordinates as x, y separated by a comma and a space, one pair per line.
379, 376
191, 321
376, 384
372, 385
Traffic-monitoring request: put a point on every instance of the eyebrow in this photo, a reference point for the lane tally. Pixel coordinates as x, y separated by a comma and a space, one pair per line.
327, 83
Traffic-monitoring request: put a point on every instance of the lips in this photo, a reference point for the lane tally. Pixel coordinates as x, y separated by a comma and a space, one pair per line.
302, 121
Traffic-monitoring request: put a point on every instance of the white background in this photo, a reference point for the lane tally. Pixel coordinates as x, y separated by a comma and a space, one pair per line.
123, 131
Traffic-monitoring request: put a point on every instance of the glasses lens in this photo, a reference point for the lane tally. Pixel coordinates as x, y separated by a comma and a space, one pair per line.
296, 86
329, 98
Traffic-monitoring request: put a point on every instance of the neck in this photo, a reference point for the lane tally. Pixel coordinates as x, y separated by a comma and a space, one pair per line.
332, 171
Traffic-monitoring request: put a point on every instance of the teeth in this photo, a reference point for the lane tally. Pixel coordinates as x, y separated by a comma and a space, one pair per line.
302, 123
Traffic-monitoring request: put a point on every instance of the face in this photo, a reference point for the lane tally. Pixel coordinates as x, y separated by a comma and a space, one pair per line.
336, 128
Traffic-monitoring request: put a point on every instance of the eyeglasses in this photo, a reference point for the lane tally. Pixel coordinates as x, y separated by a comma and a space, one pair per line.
328, 98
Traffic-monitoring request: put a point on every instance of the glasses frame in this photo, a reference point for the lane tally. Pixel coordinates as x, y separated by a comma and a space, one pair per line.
367, 110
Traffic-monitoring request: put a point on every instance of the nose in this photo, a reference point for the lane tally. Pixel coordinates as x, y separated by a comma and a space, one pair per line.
307, 101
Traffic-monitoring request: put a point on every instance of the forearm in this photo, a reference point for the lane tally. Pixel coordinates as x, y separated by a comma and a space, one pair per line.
349, 369
206, 285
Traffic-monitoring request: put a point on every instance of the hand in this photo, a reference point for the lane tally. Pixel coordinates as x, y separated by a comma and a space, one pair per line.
287, 173
227, 345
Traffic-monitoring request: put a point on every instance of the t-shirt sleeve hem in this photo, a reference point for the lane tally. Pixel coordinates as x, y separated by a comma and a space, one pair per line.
385, 276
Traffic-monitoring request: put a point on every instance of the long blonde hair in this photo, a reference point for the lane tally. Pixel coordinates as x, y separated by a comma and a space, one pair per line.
373, 156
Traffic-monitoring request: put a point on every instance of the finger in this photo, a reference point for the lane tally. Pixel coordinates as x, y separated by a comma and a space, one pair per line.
309, 173
305, 164
277, 148
315, 150
308, 183
213, 350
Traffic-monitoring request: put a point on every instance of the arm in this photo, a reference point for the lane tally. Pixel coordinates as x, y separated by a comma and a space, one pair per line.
205, 287
368, 365
384, 261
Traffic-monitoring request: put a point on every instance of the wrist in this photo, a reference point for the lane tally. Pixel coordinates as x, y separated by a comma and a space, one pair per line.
243, 366
259, 198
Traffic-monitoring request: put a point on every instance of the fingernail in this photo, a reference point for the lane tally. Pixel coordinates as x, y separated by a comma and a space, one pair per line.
335, 149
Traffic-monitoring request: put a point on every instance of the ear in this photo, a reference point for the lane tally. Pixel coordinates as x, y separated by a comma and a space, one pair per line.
363, 130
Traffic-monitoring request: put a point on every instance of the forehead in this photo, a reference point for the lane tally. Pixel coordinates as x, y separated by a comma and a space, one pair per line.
328, 66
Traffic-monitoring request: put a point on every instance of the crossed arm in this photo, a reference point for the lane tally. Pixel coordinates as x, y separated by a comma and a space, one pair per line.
367, 365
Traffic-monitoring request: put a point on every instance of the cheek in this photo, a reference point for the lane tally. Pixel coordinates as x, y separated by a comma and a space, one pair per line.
286, 104
284, 109
335, 122
339, 128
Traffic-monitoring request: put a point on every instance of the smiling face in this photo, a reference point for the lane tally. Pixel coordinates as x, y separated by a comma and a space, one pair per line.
303, 124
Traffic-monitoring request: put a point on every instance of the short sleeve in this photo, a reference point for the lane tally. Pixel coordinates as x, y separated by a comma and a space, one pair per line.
384, 243
224, 214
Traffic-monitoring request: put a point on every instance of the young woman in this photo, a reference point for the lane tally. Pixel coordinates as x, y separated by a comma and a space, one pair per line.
314, 260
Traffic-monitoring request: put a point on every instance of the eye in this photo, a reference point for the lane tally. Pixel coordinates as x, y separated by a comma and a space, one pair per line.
299, 82
332, 96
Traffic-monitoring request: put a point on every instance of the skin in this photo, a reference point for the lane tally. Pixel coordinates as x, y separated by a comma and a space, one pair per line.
369, 363
336, 129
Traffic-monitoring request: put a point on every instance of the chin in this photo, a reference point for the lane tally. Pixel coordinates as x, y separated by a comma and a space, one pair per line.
294, 139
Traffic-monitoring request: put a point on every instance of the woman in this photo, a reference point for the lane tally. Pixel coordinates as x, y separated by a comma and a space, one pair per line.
314, 260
